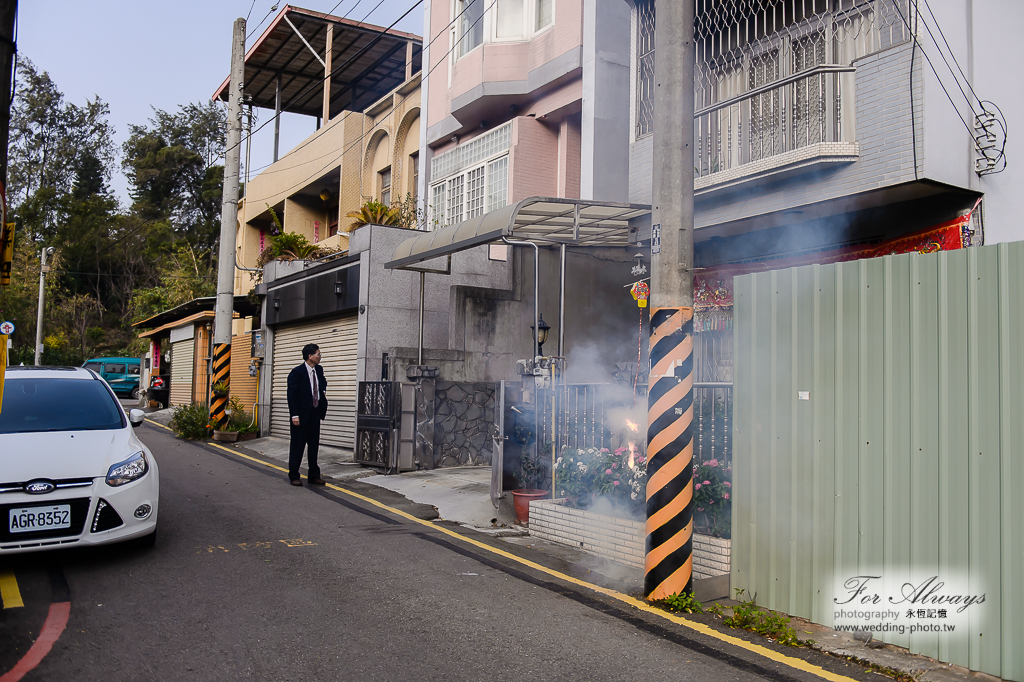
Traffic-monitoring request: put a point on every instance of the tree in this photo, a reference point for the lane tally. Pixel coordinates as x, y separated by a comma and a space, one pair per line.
50, 142
171, 165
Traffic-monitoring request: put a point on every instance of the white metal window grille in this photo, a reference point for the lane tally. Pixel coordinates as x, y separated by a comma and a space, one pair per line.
455, 186
472, 193
497, 183
645, 68
475, 192
385, 187
771, 76
470, 25
472, 152
437, 207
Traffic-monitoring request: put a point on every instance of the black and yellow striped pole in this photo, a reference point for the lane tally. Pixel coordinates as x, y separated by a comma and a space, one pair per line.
221, 375
668, 566
228, 227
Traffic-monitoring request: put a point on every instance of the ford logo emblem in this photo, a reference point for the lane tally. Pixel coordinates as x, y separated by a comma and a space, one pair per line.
39, 487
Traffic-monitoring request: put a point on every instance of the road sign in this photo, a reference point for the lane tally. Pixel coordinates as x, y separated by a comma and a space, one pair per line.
6, 328
6, 253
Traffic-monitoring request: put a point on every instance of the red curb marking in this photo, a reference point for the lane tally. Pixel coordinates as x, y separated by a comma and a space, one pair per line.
55, 623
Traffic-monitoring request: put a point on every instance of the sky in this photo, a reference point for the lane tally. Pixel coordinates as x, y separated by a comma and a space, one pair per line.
139, 54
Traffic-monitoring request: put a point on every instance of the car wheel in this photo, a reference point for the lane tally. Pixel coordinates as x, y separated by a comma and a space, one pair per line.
135, 393
146, 541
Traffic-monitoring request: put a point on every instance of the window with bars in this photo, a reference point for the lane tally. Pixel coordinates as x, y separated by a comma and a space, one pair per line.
385, 186
644, 68
470, 194
759, 86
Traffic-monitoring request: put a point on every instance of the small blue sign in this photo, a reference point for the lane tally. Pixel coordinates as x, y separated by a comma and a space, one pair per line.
656, 238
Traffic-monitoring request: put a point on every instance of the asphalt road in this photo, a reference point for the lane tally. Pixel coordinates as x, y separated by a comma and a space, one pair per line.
254, 579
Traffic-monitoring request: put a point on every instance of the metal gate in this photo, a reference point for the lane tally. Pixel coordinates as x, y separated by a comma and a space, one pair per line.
378, 408
385, 425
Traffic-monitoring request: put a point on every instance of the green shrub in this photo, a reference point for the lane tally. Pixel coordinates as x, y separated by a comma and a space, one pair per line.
191, 421
681, 602
239, 419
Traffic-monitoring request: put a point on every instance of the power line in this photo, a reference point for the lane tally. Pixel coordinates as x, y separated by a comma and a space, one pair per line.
349, 113
943, 35
390, 111
928, 59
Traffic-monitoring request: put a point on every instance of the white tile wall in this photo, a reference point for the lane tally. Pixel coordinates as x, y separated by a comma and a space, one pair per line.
617, 539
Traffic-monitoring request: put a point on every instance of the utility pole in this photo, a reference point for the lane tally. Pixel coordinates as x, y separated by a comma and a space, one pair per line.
668, 565
43, 269
8, 48
228, 226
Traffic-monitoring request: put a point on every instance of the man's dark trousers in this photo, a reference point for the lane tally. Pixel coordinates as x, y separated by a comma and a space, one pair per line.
305, 435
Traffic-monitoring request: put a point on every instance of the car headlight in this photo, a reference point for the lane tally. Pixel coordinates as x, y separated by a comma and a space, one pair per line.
131, 469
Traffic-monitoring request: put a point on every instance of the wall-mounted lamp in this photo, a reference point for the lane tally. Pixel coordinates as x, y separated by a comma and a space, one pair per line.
277, 304
544, 328
339, 288
325, 194
455, 139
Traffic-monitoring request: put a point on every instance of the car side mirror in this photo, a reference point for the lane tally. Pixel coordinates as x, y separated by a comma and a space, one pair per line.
136, 417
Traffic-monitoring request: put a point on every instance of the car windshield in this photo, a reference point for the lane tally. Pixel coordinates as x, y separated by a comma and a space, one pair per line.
58, 404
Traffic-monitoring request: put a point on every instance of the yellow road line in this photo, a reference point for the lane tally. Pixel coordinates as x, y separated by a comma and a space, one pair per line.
9, 591
159, 424
792, 662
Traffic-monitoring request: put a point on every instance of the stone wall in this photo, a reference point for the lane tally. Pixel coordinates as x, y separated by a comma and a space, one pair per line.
455, 423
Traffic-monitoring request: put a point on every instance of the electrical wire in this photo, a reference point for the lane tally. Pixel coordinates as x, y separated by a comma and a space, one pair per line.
953, 56
942, 54
269, 12
250, 11
924, 53
385, 116
379, 36
337, 121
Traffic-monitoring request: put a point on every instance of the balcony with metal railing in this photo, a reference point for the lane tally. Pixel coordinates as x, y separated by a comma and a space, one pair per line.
774, 82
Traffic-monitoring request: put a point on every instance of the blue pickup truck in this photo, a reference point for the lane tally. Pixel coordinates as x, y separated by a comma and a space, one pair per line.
121, 373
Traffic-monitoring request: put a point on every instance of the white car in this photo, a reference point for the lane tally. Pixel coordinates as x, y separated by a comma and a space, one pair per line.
72, 470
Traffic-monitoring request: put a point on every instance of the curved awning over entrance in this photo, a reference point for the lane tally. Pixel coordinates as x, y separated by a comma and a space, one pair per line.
541, 220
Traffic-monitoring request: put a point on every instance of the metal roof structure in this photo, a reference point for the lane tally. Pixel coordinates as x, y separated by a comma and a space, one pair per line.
242, 305
367, 62
545, 221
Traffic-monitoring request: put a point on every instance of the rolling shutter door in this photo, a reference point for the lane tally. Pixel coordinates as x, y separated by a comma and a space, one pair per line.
182, 356
337, 338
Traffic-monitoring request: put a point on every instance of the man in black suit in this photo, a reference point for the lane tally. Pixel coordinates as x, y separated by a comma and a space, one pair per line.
307, 405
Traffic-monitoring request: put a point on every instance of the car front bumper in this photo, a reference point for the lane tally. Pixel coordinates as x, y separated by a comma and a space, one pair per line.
100, 515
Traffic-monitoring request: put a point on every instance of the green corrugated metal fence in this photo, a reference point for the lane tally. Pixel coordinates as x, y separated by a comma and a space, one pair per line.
907, 453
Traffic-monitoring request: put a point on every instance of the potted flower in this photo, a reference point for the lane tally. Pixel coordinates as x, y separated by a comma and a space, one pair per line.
221, 389
712, 493
532, 473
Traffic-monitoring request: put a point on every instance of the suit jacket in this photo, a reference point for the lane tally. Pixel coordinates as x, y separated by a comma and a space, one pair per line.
300, 394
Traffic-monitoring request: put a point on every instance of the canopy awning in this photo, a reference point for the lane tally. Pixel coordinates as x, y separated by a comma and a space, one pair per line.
367, 62
545, 221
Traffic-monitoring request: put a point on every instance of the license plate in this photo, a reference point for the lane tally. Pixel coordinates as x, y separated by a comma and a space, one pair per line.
30, 519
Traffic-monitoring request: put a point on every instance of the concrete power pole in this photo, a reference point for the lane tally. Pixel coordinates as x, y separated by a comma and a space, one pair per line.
8, 12
228, 226
668, 566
